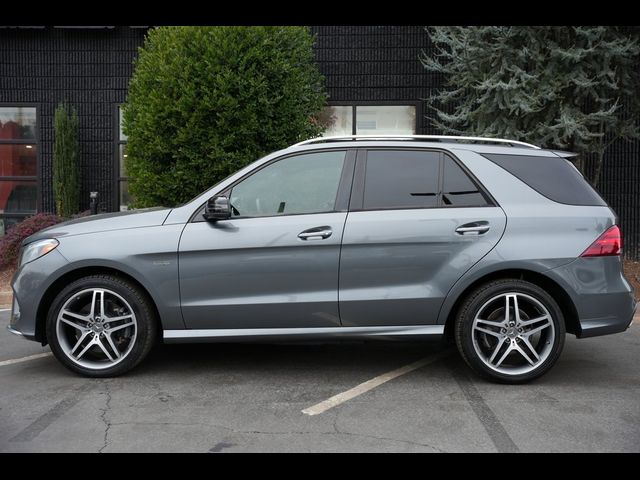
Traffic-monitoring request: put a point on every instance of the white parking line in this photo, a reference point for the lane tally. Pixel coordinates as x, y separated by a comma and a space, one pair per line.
4, 309
371, 384
24, 359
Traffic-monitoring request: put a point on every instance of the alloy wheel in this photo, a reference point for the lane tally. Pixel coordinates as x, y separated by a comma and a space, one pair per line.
96, 328
513, 333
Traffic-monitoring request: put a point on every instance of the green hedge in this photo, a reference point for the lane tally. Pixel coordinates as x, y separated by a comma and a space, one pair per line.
205, 101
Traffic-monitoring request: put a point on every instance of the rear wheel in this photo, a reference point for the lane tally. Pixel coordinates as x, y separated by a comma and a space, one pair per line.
510, 331
101, 326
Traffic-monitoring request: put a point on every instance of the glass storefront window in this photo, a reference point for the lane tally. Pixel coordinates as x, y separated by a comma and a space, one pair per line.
124, 198
339, 120
18, 165
386, 119
18, 160
17, 123
370, 120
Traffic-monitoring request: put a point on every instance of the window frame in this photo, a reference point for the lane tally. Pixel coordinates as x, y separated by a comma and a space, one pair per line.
357, 194
37, 178
374, 103
342, 195
118, 178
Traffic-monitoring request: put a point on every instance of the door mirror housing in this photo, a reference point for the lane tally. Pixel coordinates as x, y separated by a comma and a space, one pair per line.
217, 208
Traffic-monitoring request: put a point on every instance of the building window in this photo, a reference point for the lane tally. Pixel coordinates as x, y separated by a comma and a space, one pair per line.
18, 165
124, 198
371, 120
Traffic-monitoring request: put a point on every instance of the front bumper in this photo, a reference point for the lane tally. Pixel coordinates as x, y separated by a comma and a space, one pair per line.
29, 285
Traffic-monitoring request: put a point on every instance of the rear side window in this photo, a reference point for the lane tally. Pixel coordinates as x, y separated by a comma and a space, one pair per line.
401, 179
553, 177
396, 179
458, 189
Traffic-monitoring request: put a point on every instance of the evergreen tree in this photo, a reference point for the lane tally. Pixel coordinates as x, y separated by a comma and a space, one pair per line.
573, 88
65, 161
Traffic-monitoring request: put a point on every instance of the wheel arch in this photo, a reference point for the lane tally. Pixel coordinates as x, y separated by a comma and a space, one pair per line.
559, 294
72, 275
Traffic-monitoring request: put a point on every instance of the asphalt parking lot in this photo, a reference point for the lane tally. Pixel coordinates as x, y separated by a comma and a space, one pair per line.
239, 398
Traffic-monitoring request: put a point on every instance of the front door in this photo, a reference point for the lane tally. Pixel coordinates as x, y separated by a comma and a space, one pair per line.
274, 264
417, 223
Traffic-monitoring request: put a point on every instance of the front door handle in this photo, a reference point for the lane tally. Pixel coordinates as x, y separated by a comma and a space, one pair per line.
316, 233
475, 228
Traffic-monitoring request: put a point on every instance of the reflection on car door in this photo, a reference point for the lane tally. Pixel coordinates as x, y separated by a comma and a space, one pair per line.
274, 264
417, 222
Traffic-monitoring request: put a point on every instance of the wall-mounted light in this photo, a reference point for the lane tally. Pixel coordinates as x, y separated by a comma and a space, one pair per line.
29, 146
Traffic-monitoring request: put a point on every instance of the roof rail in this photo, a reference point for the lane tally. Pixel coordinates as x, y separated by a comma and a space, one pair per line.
416, 137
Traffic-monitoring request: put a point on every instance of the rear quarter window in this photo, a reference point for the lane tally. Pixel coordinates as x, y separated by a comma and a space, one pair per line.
554, 177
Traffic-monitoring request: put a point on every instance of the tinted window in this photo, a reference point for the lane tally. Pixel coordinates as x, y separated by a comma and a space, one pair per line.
301, 184
401, 179
553, 177
458, 189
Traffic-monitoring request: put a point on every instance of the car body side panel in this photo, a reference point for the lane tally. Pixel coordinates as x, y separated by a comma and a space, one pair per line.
543, 236
257, 273
150, 255
397, 266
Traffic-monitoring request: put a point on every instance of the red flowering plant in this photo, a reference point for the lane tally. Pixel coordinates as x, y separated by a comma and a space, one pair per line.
10, 242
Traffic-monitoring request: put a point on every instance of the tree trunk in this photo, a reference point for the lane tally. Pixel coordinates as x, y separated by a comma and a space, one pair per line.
599, 162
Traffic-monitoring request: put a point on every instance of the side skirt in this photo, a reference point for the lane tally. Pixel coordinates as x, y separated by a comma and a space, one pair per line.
253, 334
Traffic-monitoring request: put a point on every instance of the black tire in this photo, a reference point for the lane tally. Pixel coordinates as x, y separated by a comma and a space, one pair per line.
470, 308
141, 305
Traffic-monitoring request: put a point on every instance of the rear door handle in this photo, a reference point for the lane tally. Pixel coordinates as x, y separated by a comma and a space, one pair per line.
475, 228
316, 233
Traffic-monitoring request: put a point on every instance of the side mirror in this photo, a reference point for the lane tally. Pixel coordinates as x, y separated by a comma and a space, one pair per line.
217, 208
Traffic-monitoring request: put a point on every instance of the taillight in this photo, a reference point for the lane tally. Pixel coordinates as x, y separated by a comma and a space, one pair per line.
609, 243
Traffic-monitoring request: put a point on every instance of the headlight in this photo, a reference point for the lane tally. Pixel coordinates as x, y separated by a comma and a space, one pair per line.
35, 250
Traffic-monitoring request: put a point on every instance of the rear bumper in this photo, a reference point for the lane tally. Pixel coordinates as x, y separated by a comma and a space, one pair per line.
602, 296
594, 327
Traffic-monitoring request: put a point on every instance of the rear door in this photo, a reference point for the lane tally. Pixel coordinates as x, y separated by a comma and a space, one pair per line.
417, 222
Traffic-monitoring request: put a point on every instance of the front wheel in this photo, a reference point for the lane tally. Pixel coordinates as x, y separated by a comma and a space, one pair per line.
510, 331
101, 326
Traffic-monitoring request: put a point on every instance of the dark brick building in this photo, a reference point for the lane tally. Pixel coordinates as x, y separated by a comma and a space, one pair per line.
373, 76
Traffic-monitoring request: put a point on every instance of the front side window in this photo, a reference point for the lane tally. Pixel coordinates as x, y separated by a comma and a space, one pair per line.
397, 179
295, 185
18, 165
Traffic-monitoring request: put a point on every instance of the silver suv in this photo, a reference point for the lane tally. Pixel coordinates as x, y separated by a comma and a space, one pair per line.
496, 244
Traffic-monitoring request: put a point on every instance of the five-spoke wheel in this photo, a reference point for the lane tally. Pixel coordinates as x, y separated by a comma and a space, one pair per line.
96, 328
510, 330
101, 325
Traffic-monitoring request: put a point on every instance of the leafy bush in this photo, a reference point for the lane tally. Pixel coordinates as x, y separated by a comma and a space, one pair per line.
66, 186
10, 242
205, 101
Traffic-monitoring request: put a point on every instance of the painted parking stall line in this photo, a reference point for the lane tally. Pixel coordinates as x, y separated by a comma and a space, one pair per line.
371, 384
13, 361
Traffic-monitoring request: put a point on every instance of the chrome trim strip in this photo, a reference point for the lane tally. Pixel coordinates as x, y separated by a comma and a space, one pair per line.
186, 335
416, 137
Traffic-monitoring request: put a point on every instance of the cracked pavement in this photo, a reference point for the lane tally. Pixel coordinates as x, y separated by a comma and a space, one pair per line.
220, 398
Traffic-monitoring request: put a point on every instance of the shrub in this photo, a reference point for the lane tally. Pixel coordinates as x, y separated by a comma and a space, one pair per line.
66, 187
205, 101
10, 242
